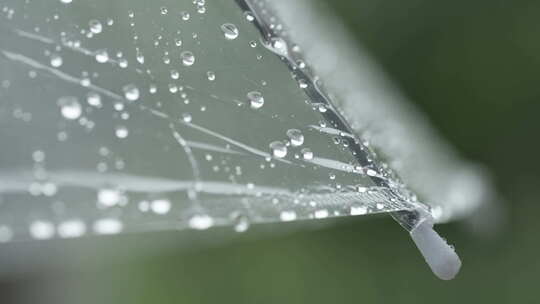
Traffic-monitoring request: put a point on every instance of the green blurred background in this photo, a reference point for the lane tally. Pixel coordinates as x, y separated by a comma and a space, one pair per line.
474, 68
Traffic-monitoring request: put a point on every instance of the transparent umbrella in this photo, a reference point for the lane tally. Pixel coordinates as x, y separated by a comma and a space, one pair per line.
123, 117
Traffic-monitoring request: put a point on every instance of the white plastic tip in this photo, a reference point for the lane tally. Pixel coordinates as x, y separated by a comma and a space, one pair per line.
441, 257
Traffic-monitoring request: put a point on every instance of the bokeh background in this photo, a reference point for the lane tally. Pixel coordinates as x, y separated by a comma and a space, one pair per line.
474, 68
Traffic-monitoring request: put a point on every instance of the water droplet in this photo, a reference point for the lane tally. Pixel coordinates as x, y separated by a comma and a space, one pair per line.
108, 226
188, 58
94, 99
279, 149
184, 15
160, 206
5, 234
256, 100
278, 46
164, 10
296, 137
287, 216
358, 210
371, 172
249, 16
70, 107
175, 74
66, 1
41, 230
323, 213
121, 132
307, 154
56, 60
230, 31
109, 197
201, 222
186, 117
71, 228
102, 56
361, 189
38, 156
131, 92
211, 75
241, 223
123, 63
95, 26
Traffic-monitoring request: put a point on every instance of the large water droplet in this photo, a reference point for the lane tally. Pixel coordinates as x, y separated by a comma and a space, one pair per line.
229, 30
187, 57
